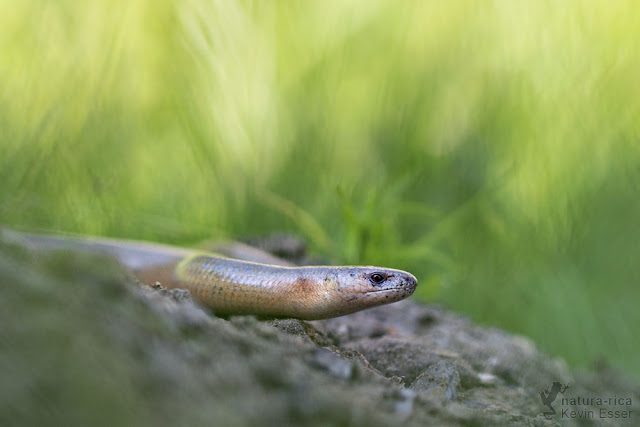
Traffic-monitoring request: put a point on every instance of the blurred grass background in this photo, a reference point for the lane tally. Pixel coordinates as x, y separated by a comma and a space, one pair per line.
492, 148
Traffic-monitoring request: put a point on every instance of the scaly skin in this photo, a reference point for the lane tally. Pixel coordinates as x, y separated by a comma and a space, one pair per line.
238, 287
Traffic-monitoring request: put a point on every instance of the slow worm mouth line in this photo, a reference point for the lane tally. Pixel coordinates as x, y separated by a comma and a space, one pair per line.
384, 290
395, 290
392, 291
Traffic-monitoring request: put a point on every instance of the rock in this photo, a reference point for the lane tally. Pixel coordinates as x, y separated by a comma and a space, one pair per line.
82, 344
440, 379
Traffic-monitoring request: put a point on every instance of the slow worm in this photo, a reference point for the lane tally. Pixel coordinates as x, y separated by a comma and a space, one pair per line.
230, 286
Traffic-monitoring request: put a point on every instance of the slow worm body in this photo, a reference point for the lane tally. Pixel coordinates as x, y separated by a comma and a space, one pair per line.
232, 286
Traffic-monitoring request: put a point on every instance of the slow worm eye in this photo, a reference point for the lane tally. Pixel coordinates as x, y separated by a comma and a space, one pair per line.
377, 278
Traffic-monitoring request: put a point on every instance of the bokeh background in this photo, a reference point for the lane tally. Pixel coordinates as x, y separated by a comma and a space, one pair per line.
492, 148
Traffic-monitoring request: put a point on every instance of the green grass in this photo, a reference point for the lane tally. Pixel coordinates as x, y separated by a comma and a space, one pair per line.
491, 148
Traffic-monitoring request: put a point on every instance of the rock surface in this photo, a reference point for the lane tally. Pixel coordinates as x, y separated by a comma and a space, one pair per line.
82, 343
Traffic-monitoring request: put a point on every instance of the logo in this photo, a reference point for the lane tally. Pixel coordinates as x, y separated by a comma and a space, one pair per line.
549, 396
584, 407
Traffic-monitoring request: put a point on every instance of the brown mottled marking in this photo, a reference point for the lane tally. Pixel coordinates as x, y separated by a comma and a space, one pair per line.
163, 274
